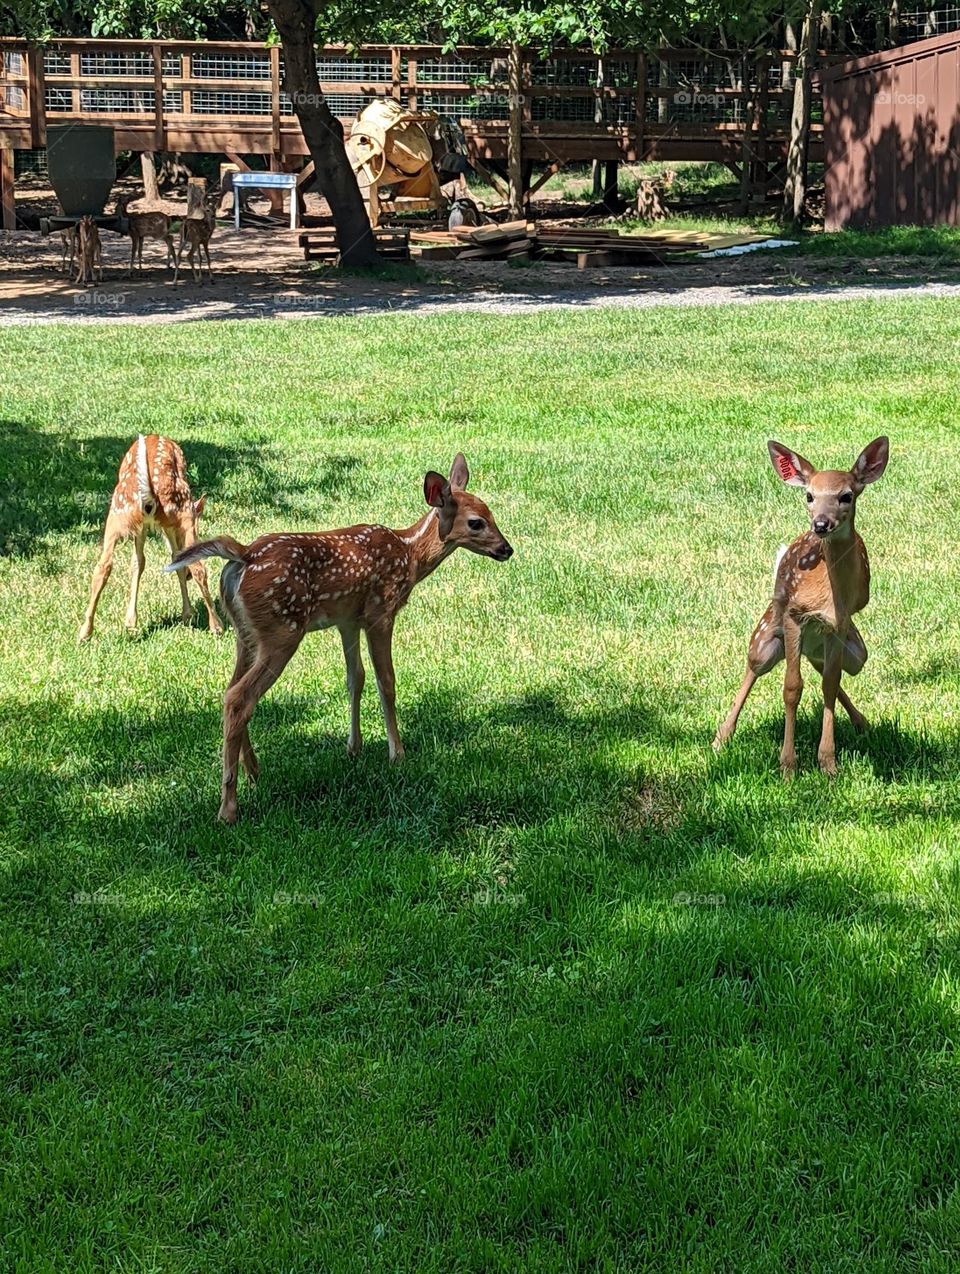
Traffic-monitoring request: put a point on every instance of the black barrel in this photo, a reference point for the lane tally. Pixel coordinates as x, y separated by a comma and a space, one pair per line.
82, 166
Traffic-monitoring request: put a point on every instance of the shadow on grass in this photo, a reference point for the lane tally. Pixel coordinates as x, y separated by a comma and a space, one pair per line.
53, 484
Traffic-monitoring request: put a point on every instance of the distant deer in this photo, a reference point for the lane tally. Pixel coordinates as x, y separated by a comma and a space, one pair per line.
68, 248
196, 231
145, 225
820, 582
152, 493
89, 263
281, 587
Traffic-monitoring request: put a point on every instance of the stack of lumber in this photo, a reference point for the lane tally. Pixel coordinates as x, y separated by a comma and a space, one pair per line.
477, 243
321, 244
588, 247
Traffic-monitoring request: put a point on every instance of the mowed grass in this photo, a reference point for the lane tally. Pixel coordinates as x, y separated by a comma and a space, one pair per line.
564, 991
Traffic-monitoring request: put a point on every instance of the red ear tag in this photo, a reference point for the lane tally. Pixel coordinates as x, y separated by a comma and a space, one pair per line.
787, 471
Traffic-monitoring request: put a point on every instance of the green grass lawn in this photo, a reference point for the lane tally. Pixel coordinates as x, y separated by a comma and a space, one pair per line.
564, 991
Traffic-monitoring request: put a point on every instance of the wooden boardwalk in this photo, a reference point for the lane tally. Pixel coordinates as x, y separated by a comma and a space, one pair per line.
226, 98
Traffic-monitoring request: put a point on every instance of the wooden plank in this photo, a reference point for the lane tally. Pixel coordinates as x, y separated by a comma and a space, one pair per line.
515, 131
275, 97
7, 194
158, 98
36, 98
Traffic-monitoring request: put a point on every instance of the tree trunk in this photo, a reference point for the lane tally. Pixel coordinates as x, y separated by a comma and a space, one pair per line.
322, 131
150, 191
795, 186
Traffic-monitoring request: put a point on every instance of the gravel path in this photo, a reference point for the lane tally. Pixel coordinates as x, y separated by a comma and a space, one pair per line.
262, 275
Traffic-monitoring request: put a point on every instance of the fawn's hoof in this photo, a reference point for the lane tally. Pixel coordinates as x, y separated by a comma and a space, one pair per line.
227, 812
85, 633
354, 749
788, 768
217, 630
397, 756
719, 739
828, 763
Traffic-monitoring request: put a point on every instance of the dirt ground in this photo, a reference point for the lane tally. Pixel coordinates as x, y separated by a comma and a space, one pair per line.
260, 272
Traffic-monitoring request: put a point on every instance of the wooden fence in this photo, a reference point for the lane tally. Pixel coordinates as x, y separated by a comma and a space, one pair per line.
553, 109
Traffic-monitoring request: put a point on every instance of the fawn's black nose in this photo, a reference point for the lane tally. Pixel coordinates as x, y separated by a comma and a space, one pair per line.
821, 525
504, 551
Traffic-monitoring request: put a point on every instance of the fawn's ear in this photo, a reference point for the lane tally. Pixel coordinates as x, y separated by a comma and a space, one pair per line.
871, 462
199, 506
436, 489
459, 473
793, 469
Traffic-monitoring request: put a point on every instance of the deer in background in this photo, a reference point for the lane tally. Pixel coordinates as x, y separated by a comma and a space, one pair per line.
281, 587
145, 225
820, 582
68, 249
152, 493
89, 263
196, 231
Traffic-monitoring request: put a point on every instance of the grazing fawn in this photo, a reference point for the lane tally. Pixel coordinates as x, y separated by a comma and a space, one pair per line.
151, 494
196, 231
146, 225
281, 587
820, 582
89, 264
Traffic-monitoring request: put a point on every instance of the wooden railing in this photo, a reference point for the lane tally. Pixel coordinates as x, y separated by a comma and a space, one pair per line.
168, 95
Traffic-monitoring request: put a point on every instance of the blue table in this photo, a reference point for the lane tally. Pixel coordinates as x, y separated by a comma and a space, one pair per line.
265, 181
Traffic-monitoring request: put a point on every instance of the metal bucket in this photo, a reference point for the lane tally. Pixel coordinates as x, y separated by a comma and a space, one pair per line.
82, 166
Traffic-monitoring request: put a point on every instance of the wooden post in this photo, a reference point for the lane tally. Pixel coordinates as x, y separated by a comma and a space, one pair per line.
7, 195
515, 133
395, 71
611, 191
147, 167
36, 95
411, 84
275, 98
641, 104
158, 97
598, 120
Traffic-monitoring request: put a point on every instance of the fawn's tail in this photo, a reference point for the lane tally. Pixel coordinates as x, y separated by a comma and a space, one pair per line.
223, 546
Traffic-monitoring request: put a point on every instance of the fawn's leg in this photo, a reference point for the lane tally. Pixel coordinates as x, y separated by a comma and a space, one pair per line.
186, 536
765, 652
832, 655
248, 758
238, 706
350, 636
380, 643
175, 540
101, 573
206, 248
136, 570
792, 690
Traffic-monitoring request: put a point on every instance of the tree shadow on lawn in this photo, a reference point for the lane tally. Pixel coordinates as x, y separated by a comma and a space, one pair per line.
524, 771
53, 484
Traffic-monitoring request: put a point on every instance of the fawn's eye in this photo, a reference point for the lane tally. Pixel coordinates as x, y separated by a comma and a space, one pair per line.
846, 498
809, 498
476, 524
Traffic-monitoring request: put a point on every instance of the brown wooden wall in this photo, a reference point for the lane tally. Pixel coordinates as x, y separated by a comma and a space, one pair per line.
892, 137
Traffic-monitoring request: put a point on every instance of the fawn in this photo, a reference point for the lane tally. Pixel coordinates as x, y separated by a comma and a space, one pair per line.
820, 582
197, 232
89, 265
68, 249
145, 225
281, 587
151, 494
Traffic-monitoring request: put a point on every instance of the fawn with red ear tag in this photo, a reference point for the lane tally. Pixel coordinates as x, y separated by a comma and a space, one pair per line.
281, 587
820, 582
